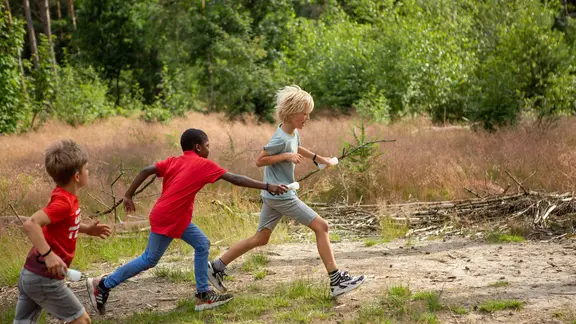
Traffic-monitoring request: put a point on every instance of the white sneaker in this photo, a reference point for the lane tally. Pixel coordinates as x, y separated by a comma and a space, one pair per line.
216, 277
341, 282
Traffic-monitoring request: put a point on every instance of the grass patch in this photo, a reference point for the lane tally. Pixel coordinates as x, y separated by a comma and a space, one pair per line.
174, 275
334, 237
497, 237
15, 248
299, 301
431, 298
372, 241
255, 262
391, 230
7, 316
565, 314
260, 274
459, 310
499, 283
399, 304
491, 306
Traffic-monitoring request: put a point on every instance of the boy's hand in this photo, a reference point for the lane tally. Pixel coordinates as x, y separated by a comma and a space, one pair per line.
55, 265
129, 204
323, 160
97, 229
277, 189
294, 157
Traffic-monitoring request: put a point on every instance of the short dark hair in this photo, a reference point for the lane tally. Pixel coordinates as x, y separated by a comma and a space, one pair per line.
191, 137
63, 159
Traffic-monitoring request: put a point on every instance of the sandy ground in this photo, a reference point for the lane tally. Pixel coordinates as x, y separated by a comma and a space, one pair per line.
539, 273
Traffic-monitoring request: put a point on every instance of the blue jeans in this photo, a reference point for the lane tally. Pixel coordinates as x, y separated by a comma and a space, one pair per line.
157, 245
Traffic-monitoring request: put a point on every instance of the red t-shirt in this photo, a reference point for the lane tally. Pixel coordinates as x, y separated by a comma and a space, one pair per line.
64, 213
183, 177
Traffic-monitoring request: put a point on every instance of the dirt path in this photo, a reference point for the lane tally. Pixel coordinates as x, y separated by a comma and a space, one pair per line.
540, 274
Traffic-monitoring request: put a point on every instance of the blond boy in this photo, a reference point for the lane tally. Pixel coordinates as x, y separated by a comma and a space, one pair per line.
53, 231
279, 158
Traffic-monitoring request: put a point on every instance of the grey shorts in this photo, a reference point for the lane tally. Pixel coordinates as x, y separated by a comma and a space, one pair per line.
274, 209
38, 292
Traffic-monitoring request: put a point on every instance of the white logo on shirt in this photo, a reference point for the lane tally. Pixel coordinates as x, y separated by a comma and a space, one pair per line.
74, 229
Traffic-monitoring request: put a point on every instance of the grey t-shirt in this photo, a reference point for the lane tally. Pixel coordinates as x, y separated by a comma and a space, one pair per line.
281, 172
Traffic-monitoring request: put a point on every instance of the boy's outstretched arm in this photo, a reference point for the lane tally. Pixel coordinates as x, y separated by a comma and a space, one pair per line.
33, 229
144, 173
244, 181
309, 155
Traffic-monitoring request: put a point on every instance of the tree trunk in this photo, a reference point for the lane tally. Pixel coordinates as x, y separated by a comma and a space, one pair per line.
71, 11
31, 34
45, 16
7, 4
59, 13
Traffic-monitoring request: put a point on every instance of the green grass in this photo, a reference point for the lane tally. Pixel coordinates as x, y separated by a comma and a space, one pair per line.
174, 275
497, 237
334, 237
260, 274
431, 298
372, 241
15, 247
391, 230
299, 301
459, 310
7, 317
399, 304
499, 283
255, 262
491, 306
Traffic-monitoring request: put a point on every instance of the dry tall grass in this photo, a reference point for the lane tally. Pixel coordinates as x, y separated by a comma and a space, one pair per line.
425, 163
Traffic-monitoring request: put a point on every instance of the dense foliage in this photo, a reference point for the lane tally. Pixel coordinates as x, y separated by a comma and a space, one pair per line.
483, 62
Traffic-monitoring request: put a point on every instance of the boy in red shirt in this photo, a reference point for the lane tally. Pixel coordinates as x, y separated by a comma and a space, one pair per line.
170, 218
53, 231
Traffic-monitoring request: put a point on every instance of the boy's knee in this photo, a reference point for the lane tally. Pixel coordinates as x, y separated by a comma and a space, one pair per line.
321, 225
203, 246
150, 261
261, 239
84, 319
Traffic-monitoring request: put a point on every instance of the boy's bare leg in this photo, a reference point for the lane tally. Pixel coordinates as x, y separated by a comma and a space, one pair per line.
260, 238
84, 319
320, 228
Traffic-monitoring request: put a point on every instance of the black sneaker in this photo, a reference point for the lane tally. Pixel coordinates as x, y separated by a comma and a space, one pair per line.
341, 282
98, 294
210, 299
216, 277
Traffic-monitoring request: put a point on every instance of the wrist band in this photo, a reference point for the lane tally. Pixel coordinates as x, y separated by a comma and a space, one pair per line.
314, 159
266, 187
38, 256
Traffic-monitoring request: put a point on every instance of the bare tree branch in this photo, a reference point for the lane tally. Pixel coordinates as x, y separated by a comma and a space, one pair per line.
16, 213
345, 154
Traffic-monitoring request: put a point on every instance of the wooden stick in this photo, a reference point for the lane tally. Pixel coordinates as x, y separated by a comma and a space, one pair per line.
472, 192
517, 182
16, 213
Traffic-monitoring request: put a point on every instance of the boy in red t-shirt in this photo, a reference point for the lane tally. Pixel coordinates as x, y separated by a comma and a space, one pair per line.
170, 218
53, 231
